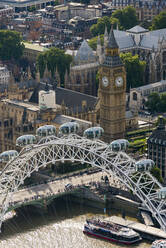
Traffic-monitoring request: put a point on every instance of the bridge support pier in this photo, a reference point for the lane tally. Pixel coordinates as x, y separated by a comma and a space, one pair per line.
1, 227
45, 207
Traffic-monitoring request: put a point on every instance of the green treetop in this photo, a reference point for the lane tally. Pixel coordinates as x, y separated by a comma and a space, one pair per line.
156, 102
11, 47
93, 42
159, 21
153, 102
156, 172
134, 69
125, 18
99, 28
54, 58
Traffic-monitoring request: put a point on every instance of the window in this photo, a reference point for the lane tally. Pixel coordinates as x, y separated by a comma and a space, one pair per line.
134, 96
164, 57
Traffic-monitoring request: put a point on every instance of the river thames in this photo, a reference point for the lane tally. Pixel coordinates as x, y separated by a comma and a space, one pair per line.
61, 227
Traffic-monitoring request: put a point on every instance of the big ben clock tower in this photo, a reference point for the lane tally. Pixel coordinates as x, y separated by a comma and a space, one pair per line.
112, 92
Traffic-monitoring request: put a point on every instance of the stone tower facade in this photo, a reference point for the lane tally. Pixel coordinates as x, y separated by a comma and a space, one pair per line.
112, 92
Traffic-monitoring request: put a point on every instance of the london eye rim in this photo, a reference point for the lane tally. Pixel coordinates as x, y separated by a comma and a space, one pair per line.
94, 152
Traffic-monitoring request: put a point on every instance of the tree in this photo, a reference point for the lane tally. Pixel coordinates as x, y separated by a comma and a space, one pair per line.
54, 58
93, 42
146, 24
99, 28
41, 61
32, 8
127, 17
156, 102
153, 102
11, 47
134, 69
55, 3
159, 21
162, 103
158, 121
156, 172
115, 22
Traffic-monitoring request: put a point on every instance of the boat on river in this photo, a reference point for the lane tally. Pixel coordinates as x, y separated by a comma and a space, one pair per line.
111, 232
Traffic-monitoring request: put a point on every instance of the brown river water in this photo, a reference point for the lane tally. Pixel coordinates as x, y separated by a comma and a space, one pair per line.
61, 227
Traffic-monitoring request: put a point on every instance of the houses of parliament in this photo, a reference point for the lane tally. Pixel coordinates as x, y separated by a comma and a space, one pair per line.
25, 106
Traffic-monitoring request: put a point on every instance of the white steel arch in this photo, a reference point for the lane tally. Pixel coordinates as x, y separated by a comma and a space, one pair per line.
93, 152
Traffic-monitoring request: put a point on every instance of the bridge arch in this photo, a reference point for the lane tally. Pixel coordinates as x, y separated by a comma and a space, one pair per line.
94, 152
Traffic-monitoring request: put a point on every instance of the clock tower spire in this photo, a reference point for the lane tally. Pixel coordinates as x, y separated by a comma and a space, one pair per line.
112, 92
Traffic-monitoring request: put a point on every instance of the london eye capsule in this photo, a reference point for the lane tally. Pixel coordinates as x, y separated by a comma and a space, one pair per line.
69, 127
119, 145
25, 140
94, 132
162, 193
46, 130
8, 155
144, 165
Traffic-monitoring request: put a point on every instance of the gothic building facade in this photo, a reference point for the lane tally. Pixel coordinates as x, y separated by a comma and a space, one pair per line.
149, 45
82, 76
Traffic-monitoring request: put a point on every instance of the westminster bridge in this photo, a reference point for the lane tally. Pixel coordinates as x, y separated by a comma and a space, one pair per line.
43, 194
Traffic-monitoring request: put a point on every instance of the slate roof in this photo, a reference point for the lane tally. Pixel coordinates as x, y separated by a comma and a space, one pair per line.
137, 29
72, 99
150, 86
123, 39
112, 41
152, 38
149, 39
84, 54
112, 61
159, 33
60, 119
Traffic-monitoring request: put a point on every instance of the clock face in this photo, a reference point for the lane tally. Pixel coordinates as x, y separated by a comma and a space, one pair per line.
105, 81
119, 81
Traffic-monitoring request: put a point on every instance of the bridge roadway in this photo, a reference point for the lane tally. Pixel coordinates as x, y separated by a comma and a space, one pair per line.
48, 189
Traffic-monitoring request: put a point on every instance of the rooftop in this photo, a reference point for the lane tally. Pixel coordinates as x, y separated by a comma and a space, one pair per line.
85, 54
35, 47
150, 86
60, 119
29, 106
137, 29
71, 99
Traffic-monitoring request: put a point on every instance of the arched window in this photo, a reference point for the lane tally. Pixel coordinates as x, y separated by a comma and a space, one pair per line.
164, 57
134, 96
78, 79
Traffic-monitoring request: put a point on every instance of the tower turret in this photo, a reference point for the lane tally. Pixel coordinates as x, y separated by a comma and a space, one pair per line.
105, 37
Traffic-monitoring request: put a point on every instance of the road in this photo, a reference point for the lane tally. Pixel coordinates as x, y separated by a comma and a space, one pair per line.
52, 188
